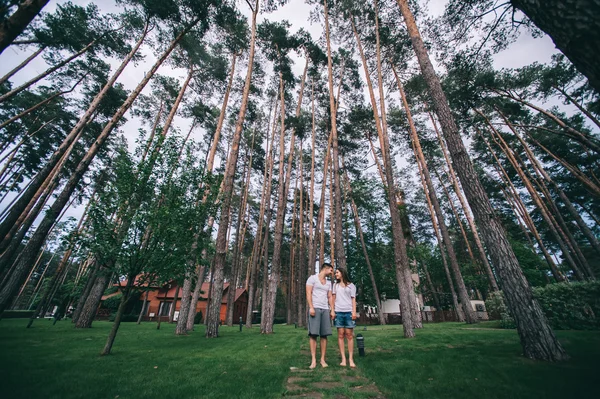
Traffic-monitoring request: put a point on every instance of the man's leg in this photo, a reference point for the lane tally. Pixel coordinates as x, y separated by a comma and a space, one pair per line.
350, 338
341, 336
323, 351
312, 341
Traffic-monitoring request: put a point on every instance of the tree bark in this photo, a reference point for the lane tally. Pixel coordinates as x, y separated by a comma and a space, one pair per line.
522, 211
537, 338
117, 323
175, 299
6, 96
212, 327
268, 306
574, 28
400, 255
466, 210
360, 235
41, 232
65, 147
470, 316
340, 255
14, 25
22, 65
548, 218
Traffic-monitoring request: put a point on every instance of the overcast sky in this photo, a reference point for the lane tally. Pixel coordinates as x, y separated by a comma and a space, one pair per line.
523, 52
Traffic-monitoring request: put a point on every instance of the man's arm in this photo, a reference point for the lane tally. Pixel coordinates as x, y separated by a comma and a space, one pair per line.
309, 290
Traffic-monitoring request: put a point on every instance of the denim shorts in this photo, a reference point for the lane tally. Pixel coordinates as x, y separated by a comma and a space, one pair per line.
344, 320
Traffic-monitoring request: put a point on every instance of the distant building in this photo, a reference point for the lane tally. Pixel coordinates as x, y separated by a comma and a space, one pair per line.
161, 298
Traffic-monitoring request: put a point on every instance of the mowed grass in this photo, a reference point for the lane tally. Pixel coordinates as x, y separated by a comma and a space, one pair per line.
444, 361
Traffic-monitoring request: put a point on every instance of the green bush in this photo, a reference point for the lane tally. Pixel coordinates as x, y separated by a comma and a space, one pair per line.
198, 318
112, 303
17, 314
126, 318
568, 306
279, 320
497, 310
574, 306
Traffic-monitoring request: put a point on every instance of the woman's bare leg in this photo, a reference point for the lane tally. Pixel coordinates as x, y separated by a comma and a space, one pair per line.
350, 338
341, 336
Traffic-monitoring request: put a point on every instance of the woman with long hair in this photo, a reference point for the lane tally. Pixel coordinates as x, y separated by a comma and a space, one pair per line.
344, 296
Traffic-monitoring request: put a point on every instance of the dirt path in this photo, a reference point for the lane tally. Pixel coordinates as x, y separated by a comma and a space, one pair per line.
333, 382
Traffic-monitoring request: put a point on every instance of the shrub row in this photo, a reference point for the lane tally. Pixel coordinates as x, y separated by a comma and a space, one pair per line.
568, 306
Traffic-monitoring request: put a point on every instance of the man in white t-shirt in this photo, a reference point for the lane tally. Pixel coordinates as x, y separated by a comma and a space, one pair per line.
320, 311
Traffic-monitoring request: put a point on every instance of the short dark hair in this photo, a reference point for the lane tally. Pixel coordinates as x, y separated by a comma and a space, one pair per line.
326, 264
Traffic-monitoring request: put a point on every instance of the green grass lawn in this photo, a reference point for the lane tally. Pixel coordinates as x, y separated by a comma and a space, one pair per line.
444, 361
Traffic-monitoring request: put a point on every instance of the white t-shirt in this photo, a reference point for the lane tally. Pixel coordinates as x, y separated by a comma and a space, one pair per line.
319, 292
343, 297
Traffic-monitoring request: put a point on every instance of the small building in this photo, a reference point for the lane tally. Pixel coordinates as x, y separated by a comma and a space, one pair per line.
161, 298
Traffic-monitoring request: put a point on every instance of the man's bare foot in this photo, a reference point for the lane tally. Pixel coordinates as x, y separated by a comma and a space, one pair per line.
352, 365
313, 365
323, 364
343, 363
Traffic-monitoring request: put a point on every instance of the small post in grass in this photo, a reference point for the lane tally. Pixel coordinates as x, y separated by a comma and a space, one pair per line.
241, 324
360, 343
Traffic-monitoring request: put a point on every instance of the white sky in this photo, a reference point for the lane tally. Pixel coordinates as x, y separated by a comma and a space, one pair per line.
523, 52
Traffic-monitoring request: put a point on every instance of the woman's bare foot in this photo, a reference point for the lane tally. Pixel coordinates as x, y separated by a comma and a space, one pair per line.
313, 365
343, 363
352, 365
323, 364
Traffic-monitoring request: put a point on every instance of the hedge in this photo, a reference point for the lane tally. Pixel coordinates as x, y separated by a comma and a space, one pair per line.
573, 306
568, 306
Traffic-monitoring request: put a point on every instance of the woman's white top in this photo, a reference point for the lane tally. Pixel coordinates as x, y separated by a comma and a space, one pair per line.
343, 297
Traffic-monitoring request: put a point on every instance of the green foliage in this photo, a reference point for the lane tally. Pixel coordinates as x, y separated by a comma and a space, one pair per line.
112, 303
198, 318
568, 306
497, 309
574, 306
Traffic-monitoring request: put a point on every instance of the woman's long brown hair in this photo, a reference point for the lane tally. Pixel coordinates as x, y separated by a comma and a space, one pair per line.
345, 277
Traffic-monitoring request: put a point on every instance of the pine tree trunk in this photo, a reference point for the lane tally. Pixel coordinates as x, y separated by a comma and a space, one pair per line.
359, 233
212, 327
340, 253
41, 232
520, 206
549, 219
22, 65
195, 296
400, 255
14, 25
184, 307
466, 210
537, 339
264, 204
175, 299
541, 172
7, 96
470, 316
38, 105
139, 320
268, 310
574, 29
64, 148
90, 307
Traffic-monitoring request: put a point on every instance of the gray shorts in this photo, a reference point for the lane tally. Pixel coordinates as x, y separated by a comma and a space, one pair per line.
319, 325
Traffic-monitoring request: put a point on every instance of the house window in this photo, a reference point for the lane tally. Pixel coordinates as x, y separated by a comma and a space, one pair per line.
164, 308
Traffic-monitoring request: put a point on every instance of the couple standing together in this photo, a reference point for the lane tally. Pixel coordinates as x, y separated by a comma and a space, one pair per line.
324, 302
